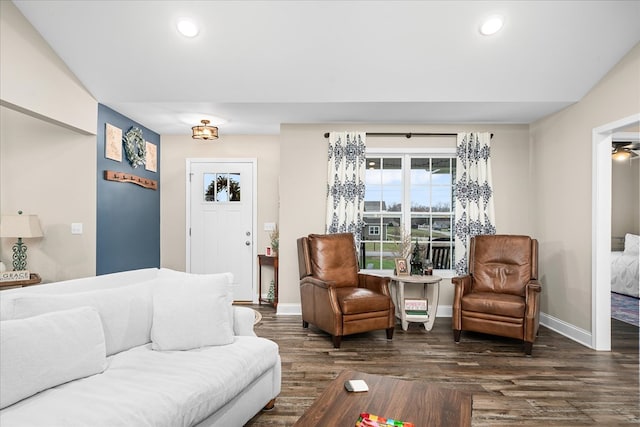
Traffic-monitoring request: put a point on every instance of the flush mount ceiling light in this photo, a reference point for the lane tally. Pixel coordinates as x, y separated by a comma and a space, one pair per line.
625, 150
187, 28
621, 154
204, 131
491, 25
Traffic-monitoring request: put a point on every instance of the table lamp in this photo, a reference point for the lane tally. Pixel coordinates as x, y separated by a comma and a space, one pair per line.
20, 226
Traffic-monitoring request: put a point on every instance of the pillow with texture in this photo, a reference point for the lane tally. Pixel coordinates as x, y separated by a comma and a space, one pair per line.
184, 320
126, 312
631, 243
44, 351
217, 283
222, 281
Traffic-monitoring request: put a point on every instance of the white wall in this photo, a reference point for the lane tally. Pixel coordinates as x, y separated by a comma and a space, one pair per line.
303, 173
47, 151
561, 155
34, 80
625, 200
176, 149
50, 171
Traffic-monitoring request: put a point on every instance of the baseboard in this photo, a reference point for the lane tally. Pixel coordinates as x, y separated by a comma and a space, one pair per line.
296, 310
289, 310
570, 331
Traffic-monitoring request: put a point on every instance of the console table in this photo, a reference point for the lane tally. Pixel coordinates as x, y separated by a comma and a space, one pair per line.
271, 261
34, 279
430, 291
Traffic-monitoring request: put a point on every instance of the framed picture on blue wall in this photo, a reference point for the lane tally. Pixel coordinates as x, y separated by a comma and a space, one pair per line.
113, 142
152, 158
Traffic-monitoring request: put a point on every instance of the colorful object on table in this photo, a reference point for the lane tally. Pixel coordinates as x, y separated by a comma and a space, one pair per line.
370, 420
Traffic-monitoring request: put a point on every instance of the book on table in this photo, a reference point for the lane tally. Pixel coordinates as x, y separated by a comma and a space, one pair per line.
415, 306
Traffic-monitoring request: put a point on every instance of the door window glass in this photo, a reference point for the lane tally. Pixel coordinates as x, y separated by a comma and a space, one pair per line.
222, 187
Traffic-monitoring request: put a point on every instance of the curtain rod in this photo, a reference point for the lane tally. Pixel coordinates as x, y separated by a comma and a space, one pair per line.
405, 134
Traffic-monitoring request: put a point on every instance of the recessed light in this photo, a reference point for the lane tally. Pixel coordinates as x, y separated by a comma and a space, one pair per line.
187, 28
491, 25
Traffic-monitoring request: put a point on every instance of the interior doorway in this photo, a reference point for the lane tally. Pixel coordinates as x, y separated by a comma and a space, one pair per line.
602, 138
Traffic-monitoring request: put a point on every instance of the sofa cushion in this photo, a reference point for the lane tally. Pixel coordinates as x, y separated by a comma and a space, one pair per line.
142, 387
44, 351
186, 320
126, 312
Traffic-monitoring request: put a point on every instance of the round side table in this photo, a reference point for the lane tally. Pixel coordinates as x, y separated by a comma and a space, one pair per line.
430, 291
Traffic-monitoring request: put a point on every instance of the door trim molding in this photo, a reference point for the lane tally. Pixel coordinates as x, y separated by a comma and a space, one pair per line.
601, 231
254, 210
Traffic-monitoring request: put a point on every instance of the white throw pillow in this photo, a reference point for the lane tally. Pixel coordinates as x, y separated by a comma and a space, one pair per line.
187, 320
218, 283
126, 312
631, 244
44, 351
221, 281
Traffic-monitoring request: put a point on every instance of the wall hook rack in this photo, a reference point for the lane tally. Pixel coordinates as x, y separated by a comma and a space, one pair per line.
134, 179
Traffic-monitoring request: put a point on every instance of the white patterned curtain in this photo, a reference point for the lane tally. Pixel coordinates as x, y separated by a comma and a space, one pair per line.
473, 193
345, 187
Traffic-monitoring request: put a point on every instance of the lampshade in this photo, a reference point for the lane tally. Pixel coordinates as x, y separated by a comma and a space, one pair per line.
204, 131
24, 226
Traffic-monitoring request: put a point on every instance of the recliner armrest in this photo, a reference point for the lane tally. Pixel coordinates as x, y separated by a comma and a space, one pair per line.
532, 291
534, 286
374, 283
309, 280
462, 284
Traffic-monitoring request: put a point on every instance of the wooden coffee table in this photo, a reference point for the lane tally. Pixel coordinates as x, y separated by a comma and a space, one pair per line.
414, 401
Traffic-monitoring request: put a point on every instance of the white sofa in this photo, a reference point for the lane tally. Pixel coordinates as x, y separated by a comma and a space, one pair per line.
150, 347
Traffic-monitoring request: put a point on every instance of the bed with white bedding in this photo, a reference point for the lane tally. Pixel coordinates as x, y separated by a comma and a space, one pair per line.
625, 267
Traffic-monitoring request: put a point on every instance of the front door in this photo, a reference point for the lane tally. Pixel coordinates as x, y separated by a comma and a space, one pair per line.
221, 221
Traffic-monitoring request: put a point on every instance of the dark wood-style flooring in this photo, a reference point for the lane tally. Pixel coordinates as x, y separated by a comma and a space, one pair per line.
562, 384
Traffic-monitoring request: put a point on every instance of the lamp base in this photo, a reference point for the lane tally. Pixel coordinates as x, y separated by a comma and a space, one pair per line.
19, 255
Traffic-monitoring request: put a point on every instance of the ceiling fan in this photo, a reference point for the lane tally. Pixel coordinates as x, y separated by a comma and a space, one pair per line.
625, 150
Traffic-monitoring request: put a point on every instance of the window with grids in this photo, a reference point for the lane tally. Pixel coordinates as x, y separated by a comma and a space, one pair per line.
408, 198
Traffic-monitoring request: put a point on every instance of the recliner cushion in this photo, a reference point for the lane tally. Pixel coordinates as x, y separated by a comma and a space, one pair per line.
492, 303
333, 258
361, 300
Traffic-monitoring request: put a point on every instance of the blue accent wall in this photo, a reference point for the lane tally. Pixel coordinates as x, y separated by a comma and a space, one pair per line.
128, 215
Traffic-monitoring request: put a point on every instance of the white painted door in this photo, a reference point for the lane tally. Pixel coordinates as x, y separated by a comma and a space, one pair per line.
221, 221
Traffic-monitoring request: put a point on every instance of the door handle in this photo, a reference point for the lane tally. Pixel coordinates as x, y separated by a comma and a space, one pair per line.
248, 243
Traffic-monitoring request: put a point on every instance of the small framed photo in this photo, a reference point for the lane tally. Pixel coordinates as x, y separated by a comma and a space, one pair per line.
401, 267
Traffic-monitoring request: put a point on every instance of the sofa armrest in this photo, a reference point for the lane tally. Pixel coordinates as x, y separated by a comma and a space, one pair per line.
243, 319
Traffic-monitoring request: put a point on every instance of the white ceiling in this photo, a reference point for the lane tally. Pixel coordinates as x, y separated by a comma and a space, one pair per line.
261, 63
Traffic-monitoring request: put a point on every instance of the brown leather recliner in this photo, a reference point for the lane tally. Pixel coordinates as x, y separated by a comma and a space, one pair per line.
501, 293
334, 296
